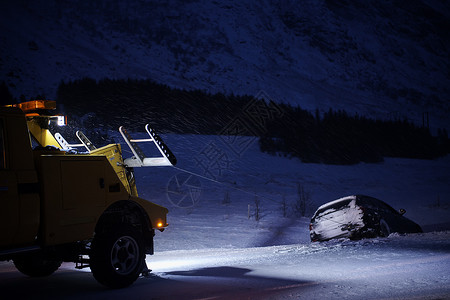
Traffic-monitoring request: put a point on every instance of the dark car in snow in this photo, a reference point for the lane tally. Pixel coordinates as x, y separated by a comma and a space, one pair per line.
357, 217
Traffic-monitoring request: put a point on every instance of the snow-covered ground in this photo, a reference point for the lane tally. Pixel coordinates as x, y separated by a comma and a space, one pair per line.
215, 249
406, 267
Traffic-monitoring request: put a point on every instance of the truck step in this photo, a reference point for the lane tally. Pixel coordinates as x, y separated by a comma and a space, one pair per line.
82, 263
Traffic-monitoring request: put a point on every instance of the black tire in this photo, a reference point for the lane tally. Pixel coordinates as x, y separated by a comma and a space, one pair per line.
385, 231
36, 265
117, 256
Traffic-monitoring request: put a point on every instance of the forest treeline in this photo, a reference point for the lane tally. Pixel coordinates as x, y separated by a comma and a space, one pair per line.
334, 137
133, 103
339, 138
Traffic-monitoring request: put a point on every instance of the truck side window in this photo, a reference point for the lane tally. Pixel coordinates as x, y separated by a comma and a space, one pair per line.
2, 147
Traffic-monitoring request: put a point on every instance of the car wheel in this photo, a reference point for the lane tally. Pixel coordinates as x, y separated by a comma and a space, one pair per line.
37, 265
117, 256
384, 229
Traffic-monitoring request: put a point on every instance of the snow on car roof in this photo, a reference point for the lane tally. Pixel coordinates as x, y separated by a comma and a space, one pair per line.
336, 201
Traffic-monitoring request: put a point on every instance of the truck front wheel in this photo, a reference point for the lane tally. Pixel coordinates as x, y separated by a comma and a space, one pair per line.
37, 265
117, 256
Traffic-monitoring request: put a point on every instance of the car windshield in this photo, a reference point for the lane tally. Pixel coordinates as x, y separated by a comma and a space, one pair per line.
375, 204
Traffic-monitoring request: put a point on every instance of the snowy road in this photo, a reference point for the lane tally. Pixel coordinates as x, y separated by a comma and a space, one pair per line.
398, 267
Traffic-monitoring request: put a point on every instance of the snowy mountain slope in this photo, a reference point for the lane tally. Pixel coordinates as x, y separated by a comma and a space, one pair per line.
383, 59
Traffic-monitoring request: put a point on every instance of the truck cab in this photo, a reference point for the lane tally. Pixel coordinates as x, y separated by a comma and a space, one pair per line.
59, 203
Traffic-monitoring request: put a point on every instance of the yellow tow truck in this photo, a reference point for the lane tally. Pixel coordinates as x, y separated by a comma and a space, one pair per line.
60, 204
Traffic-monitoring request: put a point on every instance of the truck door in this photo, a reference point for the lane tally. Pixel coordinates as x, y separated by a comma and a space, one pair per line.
19, 194
9, 212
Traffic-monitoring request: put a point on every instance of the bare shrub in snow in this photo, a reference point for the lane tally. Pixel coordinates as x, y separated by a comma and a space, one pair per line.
284, 206
226, 199
257, 212
303, 201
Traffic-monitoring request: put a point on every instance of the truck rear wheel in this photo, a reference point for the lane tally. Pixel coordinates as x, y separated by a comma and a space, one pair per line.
37, 265
117, 256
